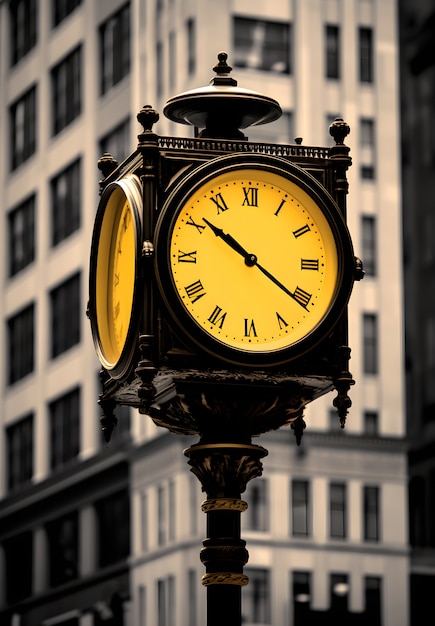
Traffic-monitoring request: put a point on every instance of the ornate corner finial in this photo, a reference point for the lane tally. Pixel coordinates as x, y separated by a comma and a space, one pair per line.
298, 141
107, 164
298, 426
339, 130
147, 117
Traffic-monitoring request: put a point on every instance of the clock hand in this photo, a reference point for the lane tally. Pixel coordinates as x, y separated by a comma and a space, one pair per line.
251, 260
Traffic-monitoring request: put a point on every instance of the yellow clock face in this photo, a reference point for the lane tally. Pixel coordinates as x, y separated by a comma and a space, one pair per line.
254, 263
115, 271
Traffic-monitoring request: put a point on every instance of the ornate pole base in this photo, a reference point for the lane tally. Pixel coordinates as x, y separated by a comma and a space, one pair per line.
224, 470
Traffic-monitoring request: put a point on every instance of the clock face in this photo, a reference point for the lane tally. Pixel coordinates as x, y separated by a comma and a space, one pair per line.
115, 276
254, 264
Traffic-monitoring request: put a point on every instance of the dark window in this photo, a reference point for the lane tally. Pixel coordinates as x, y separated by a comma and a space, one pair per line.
339, 594
365, 55
371, 513
368, 226
21, 338
113, 513
24, 27
115, 48
63, 548
166, 601
65, 315
301, 597
19, 567
256, 597
23, 128
337, 510
371, 423
332, 56
62, 8
21, 224
65, 203
19, 439
65, 428
373, 595
191, 46
300, 508
367, 148
370, 343
117, 141
66, 90
262, 45
257, 515
162, 521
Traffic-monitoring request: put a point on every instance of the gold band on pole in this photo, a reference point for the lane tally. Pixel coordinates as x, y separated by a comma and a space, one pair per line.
225, 578
224, 504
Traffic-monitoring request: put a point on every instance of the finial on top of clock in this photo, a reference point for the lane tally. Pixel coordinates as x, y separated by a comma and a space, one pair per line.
222, 108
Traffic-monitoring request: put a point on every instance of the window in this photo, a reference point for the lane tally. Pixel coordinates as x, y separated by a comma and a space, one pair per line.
301, 597
19, 439
166, 602
256, 517
368, 229
21, 225
144, 522
21, 337
62, 8
115, 49
337, 510
339, 593
24, 27
113, 512
262, 45
161, 516
373, 591
367, 148
65, 315
65, 428
117, 141
300, 508
256, 597
371, 423
63, 548
371, 513
65, 203
193, 583
18, 552
23, 128
370, 343
66, 90
191, 46
365, 55
332, 52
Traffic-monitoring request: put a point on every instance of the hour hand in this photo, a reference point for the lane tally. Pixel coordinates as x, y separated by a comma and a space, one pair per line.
250, 259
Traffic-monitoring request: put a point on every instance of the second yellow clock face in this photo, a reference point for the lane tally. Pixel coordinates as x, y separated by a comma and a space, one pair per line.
116, 269
253, 260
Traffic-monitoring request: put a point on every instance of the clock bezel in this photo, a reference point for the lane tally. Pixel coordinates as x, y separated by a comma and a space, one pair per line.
110, 208
191, 333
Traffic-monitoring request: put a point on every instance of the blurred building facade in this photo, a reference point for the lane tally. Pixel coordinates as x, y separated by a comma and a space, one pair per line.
96, 534
417, 22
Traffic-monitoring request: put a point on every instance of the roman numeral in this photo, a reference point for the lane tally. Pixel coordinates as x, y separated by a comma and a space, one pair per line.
219, 202
186, 257
126, 220
309, 264
280, 207
302, 297
250, 196
281, 321
250, 328
191, 222
195, 291
301, 231
217, 317
117, 310
116, 280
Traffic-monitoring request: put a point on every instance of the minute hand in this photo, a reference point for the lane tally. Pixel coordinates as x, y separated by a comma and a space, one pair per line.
251, 260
